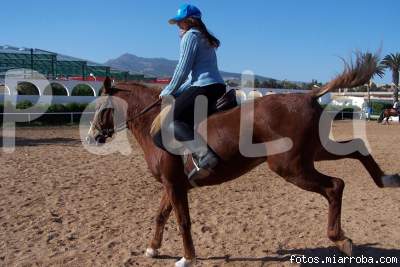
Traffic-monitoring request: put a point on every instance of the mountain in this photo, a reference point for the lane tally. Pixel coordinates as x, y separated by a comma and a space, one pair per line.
158, 67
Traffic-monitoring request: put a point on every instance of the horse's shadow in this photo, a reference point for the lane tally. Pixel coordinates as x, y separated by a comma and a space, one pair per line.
322, 253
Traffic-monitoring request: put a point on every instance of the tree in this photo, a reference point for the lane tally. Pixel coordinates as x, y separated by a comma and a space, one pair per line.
248, 84
55, 89
271, 83
232, 83
392, 62
27, 88
310, 86
82, 90
288, 85
372, 86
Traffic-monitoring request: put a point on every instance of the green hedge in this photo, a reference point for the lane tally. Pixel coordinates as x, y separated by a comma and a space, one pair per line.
82, 90
70, 107
377, 107
350, 108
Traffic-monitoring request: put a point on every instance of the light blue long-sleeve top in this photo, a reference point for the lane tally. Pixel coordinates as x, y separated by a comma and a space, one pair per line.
197, 65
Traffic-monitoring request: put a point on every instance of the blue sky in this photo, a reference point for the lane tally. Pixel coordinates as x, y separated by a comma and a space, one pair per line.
287, 39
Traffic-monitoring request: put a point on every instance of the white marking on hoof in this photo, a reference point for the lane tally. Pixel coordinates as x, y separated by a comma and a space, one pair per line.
391, 180
151, 253
184, 263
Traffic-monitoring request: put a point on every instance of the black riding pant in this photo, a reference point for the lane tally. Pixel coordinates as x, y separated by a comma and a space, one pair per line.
183, 117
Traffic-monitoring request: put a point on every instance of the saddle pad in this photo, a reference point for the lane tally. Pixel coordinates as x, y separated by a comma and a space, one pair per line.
158, 121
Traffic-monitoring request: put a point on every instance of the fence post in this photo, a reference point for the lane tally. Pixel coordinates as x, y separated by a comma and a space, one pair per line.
29, 118
72, 117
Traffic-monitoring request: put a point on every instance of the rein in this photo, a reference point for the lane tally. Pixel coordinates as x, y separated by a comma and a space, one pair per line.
144, 111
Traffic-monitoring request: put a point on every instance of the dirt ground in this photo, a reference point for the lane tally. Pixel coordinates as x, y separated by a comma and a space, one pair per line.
62, 206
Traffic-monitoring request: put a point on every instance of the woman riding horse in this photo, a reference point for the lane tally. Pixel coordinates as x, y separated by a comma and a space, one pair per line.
196, 74
389, 112
305, 126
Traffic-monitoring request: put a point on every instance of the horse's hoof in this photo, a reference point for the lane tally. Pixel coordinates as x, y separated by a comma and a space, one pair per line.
391, 180
345, 246
184, 263
151, 253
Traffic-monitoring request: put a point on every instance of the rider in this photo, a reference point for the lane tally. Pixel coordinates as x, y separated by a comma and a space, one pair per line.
196, 74
396, 106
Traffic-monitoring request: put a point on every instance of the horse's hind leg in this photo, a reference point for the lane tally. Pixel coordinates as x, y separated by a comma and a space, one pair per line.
161, 219
369, 163
332, 189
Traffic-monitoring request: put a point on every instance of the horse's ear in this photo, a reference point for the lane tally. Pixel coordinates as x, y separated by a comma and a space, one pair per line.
107, 85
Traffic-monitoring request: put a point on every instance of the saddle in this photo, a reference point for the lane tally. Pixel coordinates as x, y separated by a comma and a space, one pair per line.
225, 102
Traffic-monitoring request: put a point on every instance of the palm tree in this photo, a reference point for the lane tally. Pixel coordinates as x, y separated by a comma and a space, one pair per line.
379, 71
392, 62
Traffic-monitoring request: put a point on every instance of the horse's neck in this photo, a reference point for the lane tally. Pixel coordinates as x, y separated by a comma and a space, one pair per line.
140, 127
141, 132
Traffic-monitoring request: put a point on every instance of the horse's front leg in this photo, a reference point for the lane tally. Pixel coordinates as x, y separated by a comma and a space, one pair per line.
161, 219
179, 199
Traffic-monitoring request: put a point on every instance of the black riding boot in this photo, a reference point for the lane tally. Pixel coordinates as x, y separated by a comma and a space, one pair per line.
204, 158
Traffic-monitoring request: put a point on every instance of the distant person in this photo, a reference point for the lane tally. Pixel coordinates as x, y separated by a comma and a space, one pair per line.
366, 111
196, 74
396, 106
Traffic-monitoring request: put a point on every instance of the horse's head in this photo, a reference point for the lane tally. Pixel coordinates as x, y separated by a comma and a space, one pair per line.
102, 125
112, 109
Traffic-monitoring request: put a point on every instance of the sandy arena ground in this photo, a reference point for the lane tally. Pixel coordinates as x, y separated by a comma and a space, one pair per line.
62, 206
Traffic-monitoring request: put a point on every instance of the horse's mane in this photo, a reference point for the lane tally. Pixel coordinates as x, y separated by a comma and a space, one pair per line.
139, 83
142, 89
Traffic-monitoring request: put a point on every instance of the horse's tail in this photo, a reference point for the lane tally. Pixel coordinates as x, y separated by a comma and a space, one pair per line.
381, 117
355, 74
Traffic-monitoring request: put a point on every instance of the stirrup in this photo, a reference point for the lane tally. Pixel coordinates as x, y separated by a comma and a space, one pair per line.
197, 172
203, 166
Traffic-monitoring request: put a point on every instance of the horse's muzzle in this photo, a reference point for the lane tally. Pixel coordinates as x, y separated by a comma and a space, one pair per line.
98, 140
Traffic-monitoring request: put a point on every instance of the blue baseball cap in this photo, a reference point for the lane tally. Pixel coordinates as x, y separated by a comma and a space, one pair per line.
186, 11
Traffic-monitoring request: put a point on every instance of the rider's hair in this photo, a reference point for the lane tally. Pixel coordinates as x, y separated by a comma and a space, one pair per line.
198, 23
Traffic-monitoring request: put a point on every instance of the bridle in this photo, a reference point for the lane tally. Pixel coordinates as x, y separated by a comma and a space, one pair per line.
108, 132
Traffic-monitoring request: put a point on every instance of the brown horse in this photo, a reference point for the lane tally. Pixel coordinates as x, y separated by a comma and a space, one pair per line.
387, 113
301, 113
